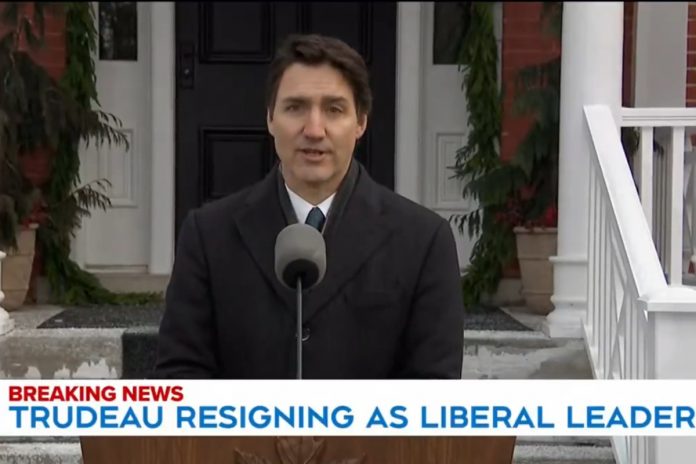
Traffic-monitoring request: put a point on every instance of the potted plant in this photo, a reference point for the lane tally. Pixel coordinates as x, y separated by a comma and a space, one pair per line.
533, 209
27, 121
536, 241
510, 194
37, 115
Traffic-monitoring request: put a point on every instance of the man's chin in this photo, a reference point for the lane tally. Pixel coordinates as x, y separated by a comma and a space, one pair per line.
314, 175
315, 180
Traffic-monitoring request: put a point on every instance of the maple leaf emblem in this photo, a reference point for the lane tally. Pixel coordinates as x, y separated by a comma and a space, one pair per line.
296, 450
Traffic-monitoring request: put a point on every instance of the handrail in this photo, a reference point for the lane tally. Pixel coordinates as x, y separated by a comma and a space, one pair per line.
633, 229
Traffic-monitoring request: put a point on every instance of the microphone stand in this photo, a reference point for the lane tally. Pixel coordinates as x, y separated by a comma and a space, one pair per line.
299, 328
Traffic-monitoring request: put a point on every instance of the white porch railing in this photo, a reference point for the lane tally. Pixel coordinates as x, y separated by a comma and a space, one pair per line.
661, 175
637, 326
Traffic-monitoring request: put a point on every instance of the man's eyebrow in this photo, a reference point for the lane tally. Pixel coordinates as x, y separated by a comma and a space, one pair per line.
294, 99
332, 99
327, 99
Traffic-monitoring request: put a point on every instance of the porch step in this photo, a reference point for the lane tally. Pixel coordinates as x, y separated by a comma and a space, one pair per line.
561, 450
31, 352
122, 282
523, 354
43, 450
511, 355
121, 343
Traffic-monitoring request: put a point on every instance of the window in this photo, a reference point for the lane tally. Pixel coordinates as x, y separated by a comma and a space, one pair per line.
118, 31
450, 22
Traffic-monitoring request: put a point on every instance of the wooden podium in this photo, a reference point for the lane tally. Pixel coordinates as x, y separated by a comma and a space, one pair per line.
297, 450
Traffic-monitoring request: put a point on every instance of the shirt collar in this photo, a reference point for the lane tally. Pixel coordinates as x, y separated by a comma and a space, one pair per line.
302, 206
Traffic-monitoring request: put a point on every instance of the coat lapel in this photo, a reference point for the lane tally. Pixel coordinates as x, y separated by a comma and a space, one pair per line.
259, 224
360, 230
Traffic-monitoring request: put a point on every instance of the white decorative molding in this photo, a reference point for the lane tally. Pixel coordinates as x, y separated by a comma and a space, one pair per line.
6, 323
115, 163
658, 117
448, 189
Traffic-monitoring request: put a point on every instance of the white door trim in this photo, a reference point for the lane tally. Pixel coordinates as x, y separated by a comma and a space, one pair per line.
163, 138
408, 125
409, 77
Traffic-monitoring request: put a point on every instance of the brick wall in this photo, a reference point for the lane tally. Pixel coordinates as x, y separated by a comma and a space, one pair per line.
629, 54
691, 57
525, 42
53, 54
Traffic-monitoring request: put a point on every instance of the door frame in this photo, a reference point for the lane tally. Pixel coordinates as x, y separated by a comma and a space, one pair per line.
408, 130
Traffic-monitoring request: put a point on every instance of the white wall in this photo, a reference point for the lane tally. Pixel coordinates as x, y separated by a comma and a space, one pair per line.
660, 74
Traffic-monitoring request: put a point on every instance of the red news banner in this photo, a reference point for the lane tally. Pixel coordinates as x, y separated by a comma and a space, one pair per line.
91, 393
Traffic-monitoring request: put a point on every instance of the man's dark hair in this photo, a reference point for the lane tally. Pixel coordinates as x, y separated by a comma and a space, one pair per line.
314, 49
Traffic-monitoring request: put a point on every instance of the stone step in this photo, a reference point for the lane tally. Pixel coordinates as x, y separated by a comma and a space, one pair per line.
532, 450
523, 355
563, 450
562, 454
44, 450
93, 343
127, 282
31, 352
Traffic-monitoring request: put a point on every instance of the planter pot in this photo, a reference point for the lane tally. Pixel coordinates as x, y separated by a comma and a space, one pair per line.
534, 248
16, 269
37, 165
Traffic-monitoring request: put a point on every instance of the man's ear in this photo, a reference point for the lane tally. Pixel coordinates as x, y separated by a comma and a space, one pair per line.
362, 126
269, 121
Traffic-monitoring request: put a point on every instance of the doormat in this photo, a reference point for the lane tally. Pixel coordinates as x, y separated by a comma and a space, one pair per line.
105, 317
485, 317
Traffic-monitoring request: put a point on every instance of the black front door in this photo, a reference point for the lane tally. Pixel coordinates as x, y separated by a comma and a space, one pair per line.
223, 54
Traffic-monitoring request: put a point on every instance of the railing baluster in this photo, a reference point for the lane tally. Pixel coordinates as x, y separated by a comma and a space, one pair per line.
659, 201
598, 270
612, 310
676, 233
690, 209
631, 337
646, 173
591, 302
606, 341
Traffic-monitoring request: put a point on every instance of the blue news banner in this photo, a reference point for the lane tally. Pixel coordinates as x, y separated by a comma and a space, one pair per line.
345, 408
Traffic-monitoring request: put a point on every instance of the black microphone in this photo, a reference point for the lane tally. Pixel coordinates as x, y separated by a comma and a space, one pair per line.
300, 263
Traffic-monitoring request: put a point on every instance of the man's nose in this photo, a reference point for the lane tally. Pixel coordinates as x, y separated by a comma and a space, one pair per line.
314, 125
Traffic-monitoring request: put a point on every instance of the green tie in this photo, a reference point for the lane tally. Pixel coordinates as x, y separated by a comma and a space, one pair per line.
315, 218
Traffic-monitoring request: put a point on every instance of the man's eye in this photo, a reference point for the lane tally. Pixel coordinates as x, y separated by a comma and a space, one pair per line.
292, 107
336, 109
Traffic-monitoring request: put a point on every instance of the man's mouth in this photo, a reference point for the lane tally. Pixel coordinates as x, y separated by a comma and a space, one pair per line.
312, 152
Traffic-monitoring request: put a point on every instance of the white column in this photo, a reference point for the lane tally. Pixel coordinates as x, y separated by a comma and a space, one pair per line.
6, 324
162, 197
591, 68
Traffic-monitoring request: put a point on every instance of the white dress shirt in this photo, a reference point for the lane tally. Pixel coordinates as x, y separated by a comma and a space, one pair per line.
302, 207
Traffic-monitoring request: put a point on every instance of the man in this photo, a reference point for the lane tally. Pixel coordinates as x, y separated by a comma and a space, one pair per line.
390, 303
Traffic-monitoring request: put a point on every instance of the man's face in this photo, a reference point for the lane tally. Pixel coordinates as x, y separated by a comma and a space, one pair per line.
315, 126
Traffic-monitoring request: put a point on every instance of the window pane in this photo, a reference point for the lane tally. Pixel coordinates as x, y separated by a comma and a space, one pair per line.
450, 21
118, 31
